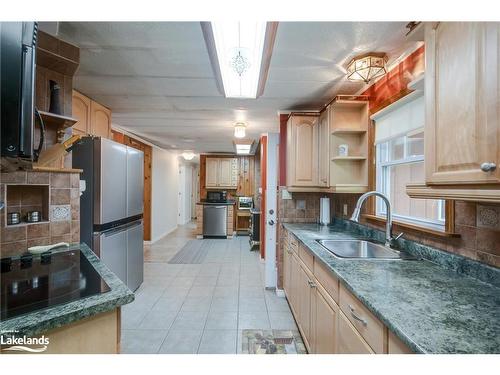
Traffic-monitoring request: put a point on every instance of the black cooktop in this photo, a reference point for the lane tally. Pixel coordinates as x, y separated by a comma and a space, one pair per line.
34, 282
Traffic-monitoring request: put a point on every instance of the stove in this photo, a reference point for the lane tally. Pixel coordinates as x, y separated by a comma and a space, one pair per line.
33, 282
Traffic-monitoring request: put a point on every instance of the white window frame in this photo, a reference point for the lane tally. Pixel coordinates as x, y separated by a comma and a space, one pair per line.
382, 169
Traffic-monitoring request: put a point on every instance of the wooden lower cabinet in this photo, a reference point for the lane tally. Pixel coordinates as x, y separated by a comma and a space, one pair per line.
330, 318
324, 317
349, 340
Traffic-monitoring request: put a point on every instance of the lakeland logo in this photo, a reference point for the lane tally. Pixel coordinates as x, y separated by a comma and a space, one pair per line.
24, 344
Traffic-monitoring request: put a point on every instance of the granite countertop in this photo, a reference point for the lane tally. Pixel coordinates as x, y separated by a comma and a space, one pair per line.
229, 202
431, 308
40, 321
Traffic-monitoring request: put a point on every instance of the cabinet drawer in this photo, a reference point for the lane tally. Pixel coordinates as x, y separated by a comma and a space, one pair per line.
306, 257
349, 340
292, 241
396, 346
327, 280
369, 327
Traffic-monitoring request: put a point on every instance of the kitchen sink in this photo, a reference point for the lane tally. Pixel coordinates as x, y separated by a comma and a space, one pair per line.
362, 249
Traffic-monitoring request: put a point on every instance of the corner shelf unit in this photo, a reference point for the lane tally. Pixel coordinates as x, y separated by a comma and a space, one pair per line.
349, 119
60, 122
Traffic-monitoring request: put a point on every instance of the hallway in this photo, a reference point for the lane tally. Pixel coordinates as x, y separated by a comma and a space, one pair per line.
200, 308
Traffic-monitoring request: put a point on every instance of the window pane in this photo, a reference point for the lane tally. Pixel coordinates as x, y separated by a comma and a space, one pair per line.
397, 148
422, 209
416, 144
382, 152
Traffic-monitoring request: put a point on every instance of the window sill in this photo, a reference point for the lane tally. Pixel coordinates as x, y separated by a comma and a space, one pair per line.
413, 227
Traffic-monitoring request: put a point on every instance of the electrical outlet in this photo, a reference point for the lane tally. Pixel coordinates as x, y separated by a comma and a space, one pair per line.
344, 209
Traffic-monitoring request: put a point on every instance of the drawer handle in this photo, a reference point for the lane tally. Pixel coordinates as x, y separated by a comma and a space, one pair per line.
355, 316
312, 284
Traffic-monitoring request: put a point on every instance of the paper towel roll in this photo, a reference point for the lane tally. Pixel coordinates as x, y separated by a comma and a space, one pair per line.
324, 211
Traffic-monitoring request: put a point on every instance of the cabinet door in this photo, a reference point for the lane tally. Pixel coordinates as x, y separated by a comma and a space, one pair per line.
324, 323
100, 120
225, 172
324, 149
461, 99
286, 267
81, 111
294, 282
304, 158
211, 170
349, 340
304, 292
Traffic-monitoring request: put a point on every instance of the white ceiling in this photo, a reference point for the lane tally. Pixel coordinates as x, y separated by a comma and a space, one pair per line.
158, 81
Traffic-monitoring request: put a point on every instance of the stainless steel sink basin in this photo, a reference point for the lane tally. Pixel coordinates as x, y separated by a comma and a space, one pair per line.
361, 249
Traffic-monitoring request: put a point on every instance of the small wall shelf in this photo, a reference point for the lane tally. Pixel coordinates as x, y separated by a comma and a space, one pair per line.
348, 158
59, 121
348, 131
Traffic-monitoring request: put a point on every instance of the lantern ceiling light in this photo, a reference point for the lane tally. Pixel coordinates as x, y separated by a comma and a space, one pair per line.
239, 130
367, 67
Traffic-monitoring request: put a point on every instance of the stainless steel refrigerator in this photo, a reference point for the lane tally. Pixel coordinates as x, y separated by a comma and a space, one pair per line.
111, 207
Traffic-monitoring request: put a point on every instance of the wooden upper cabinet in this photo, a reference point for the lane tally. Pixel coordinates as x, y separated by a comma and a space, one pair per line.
221, 173
100, 120
81, 111
212, 169
324, 149
302, 151
225, 172
461, 97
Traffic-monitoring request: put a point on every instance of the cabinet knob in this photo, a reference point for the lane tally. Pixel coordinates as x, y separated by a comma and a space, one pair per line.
488, 167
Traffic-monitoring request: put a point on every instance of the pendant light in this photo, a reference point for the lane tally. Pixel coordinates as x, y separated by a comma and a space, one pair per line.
239, 130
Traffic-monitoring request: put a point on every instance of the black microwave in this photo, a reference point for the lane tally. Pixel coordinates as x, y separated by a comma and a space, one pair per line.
18, 50
216, 196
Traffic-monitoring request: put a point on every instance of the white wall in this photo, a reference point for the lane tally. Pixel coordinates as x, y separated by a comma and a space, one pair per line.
185, 191
165, 185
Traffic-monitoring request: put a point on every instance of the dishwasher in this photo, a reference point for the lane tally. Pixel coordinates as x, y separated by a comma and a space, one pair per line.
214, 221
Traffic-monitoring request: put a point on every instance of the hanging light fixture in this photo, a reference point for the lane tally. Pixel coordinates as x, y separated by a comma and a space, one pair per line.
188, 155
239, 130
367, 67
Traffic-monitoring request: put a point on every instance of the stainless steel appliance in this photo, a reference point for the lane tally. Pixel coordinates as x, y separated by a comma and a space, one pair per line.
245, 203
254, 231
214, 220
17, 61
217, 196
111, 207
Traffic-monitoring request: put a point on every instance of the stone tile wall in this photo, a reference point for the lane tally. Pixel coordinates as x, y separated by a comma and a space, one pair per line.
63, 211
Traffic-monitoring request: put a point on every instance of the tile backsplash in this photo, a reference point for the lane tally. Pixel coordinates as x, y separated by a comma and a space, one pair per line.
63, 224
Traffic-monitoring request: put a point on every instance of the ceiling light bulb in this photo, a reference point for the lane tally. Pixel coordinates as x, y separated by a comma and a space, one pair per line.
239, 130
188, 155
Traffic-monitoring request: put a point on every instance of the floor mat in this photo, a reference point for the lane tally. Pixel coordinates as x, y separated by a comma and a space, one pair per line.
257, 341
193, 252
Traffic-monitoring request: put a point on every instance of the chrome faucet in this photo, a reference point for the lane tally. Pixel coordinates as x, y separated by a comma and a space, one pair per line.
389, 239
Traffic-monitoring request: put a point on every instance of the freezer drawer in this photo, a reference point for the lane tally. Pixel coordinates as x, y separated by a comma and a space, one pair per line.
135, 181
111, 248
135, 255
214, 220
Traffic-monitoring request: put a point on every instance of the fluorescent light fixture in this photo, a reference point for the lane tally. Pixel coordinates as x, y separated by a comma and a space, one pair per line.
243, 149
239, 47
239, 130
188, 155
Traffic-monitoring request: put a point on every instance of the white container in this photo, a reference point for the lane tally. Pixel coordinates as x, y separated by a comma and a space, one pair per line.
343, 150
324, 211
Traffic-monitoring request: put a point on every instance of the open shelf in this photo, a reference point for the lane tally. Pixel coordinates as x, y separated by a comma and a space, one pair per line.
25, 223
348, 131
60, 122
354, 158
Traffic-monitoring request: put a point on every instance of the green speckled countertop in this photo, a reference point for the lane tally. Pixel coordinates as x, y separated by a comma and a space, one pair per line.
46, 319
430, 308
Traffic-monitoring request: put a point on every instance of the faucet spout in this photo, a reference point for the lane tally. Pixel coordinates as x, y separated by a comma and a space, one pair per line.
389, 239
